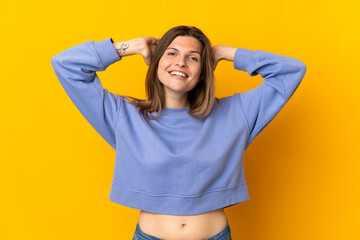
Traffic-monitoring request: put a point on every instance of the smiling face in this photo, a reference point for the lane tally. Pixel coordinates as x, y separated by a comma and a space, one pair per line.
179, 68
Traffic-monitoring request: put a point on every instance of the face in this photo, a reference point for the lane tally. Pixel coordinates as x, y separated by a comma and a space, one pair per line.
180, 66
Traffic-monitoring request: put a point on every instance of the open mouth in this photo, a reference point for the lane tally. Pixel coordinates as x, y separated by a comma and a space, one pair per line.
178, 75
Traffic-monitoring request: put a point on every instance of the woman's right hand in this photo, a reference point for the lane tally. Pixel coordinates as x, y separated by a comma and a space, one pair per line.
148, 48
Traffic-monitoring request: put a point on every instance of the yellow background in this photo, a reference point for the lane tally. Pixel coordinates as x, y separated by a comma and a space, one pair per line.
302, 170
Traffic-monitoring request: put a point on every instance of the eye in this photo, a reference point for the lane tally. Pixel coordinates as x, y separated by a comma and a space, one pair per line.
171, 53
194, 59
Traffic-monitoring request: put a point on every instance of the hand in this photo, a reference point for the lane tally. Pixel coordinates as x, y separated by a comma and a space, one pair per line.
222, 52
148, 48
216, 53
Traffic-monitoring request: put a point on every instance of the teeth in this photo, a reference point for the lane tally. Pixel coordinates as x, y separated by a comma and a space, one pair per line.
178, 74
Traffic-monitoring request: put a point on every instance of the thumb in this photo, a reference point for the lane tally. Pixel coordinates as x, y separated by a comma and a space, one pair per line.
147, 61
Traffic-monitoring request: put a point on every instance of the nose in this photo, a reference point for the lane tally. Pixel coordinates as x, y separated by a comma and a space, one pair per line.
180, 62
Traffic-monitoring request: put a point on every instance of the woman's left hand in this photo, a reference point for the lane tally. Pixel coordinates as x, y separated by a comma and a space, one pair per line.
222, 52
216, 51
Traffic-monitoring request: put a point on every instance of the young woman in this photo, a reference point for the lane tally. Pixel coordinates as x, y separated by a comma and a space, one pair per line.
179, 152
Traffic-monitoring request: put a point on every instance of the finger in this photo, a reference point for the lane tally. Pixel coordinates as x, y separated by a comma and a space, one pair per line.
154, 41
214, 65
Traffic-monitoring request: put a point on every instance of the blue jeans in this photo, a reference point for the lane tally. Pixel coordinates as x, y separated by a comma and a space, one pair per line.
224, 234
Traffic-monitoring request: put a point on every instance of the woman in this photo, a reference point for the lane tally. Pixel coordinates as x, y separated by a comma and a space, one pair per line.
179, 152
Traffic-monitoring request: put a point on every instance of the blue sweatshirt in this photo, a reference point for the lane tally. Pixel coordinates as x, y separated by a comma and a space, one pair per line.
177, 164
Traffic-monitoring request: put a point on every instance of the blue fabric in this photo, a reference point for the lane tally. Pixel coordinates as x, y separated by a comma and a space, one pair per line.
224, 234
177, 164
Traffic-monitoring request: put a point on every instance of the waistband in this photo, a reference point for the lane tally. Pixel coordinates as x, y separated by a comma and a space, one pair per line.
224, 234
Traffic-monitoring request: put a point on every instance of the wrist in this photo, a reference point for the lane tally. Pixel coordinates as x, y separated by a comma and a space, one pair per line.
126, 48
138, 45
228, 53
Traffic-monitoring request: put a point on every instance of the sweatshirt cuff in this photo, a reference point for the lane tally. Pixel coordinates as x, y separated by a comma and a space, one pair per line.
243, 58
106, 51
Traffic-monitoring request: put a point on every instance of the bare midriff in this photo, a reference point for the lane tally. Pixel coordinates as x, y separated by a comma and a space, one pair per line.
174, 227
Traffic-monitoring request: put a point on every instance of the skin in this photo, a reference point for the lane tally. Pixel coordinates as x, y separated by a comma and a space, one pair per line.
183, 54
180, 55
175, 90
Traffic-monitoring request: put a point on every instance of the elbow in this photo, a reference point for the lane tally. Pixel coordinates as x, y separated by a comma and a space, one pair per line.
302, 70
55, 61
302, 67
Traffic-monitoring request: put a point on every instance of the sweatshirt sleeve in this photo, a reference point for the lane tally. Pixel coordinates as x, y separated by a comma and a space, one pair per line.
76, 70
282, 76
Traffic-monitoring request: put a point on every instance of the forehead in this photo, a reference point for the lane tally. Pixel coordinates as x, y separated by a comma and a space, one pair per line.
186, 43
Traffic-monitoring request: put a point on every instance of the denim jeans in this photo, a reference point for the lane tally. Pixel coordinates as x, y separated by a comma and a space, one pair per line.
224, 234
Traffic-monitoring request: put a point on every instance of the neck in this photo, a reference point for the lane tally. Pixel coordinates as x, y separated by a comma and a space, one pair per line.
177, 101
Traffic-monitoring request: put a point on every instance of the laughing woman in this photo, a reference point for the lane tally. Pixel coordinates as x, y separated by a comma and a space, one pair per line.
179, 152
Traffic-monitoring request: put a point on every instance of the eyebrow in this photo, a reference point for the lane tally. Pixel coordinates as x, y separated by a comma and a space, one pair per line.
190, 51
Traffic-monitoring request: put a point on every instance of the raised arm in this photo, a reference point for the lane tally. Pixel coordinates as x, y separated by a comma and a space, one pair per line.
144, 46
282, 76
76, 70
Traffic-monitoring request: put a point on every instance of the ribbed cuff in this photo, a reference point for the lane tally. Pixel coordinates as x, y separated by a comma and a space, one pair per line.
243, 58
106, 51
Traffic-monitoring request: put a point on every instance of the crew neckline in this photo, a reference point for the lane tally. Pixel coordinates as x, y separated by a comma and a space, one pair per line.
176, 111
